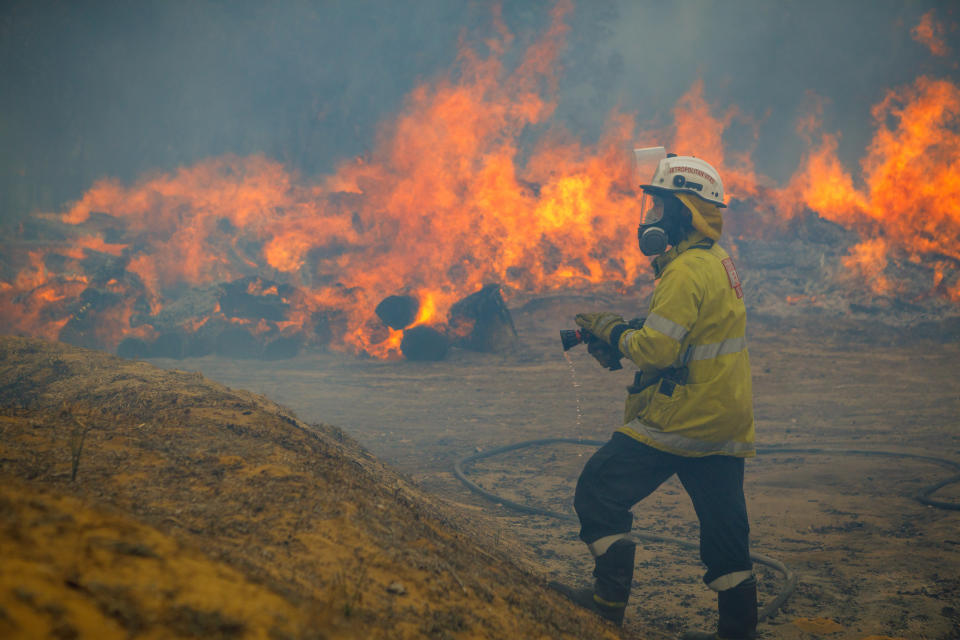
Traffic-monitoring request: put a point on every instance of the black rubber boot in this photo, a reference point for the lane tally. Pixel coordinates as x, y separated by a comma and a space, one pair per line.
614, 573
583, 597
738, 611
738, 614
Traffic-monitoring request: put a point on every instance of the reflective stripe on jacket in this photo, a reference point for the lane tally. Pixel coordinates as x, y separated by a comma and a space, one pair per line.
696, 320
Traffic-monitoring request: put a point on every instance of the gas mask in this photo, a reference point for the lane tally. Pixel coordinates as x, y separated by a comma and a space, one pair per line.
660, 223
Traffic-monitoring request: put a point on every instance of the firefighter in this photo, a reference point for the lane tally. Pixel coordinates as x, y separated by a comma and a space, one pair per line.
689, 411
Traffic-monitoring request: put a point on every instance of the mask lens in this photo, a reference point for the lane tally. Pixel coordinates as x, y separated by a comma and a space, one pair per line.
651, 209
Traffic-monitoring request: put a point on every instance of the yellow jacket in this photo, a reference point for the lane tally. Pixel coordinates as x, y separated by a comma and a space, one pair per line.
696, 320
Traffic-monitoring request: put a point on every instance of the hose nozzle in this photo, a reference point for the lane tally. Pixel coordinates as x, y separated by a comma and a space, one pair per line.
570, 338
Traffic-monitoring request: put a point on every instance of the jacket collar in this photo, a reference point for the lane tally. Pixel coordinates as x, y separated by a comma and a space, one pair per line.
694, 239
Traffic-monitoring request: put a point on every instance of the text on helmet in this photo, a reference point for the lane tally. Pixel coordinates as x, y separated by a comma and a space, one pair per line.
694, 171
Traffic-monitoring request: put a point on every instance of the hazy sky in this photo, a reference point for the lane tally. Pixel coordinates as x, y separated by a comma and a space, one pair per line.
95, 89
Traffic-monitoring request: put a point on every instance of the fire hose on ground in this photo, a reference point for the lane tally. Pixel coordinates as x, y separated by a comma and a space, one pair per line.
790, 579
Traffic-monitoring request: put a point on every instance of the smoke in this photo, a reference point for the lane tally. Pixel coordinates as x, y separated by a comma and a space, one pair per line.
767, 58
930, 32
324, 156
120, 89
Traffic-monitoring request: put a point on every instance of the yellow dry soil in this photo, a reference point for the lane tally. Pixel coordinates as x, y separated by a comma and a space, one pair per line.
138, 502
71, 569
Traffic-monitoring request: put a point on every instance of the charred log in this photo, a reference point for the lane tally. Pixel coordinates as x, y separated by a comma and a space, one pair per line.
424, 344
255, 299
398, 312
482, 322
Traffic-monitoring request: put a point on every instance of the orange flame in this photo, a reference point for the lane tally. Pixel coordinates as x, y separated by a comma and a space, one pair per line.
910, 202
446, 202
697, 131
441, 207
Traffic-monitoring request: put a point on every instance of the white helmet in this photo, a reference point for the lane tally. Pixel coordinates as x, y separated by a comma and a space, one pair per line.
679, 173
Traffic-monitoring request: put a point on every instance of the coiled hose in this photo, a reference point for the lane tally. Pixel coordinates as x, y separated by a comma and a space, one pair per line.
789, 578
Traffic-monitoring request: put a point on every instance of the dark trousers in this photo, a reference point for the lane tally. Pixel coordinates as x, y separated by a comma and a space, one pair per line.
624, 471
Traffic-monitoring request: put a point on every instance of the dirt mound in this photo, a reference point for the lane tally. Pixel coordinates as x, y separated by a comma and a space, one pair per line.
142, 502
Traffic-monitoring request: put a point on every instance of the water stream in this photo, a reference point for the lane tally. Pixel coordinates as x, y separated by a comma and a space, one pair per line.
576, 393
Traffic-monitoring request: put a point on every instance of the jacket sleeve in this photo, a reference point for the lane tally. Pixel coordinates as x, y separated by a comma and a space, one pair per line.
673, 311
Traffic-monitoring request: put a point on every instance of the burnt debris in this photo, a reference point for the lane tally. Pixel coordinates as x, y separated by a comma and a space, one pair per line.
482, 322
256, 299
424, 343
478, 322
398, 312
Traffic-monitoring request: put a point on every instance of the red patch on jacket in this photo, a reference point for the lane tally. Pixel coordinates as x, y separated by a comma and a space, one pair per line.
732, 276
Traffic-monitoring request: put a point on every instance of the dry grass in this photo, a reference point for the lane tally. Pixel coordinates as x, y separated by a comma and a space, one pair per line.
139, 502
